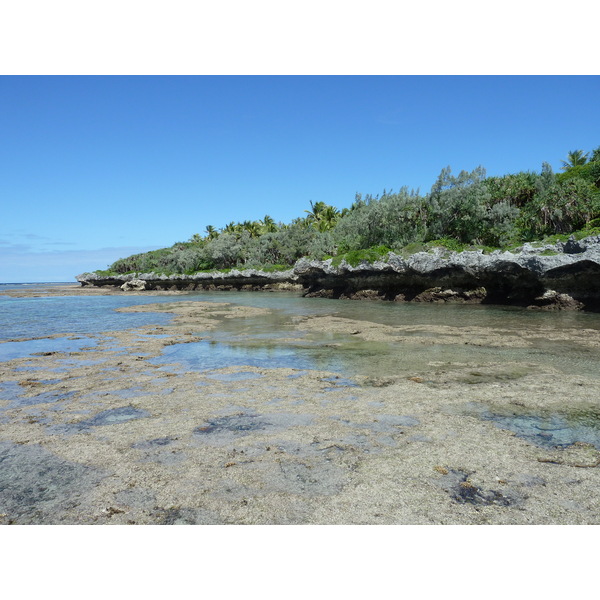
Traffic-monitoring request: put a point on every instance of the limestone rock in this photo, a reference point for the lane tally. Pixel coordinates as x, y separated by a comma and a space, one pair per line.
135, 285
552, 300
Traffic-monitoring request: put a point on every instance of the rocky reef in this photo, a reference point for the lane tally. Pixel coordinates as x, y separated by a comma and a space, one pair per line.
247, 280
561, 276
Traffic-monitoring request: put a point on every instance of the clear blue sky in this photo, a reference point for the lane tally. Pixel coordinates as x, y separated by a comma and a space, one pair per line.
95, 168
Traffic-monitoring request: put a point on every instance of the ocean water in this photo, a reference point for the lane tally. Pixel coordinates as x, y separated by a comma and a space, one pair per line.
258, 341
39, 317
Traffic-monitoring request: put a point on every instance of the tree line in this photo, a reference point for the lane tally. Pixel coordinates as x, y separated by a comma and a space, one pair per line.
460, 211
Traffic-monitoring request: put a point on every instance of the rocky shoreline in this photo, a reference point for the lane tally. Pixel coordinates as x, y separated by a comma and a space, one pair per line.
561, 276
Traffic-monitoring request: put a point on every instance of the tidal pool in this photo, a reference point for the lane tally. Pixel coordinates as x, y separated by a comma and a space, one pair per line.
349, 356
12, 350
31, 317
275, 339
111, 416
210, 355
547, 429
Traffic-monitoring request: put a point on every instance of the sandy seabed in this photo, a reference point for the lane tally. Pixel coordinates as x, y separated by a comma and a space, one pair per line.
104, 435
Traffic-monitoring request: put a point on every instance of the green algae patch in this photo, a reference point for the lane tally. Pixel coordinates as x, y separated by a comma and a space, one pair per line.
479, 377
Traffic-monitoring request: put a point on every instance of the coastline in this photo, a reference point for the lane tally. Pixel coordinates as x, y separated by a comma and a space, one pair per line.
127, 439
561, 276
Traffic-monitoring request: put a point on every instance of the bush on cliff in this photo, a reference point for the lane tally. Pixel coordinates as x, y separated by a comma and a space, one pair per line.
393, 220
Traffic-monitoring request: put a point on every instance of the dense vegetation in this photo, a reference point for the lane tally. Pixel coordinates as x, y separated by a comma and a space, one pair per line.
461, 211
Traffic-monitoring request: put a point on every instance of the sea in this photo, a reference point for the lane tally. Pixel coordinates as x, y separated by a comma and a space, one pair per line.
34, 318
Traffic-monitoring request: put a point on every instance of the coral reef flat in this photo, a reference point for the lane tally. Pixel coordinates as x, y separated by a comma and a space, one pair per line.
239, 414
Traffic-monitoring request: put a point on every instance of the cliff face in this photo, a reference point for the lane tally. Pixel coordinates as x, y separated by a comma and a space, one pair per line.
560, 276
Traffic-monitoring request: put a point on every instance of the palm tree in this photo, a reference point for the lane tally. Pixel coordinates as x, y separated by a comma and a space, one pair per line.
229, 228
575, 158
316, 209
328, 218
322, 216
252, 227
211, 232
268, 225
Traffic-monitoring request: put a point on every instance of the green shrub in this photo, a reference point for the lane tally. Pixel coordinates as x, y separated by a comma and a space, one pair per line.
517, 189
586, 232
355, 257
448, 243
413, 248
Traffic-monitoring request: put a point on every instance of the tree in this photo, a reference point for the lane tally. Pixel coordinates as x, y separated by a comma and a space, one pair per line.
393, 221
268, 225
457, 206
322, 217
561, 204
211, 232
252, 227
575, 158
316, 209
328, 218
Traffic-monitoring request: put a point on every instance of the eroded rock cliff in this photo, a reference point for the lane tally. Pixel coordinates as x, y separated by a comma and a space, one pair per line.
559, 276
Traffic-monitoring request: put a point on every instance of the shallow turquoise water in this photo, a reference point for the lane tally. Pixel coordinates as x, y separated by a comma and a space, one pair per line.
272, 340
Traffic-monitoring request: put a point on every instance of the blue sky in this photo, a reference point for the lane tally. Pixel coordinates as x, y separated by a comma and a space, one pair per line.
95, 168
